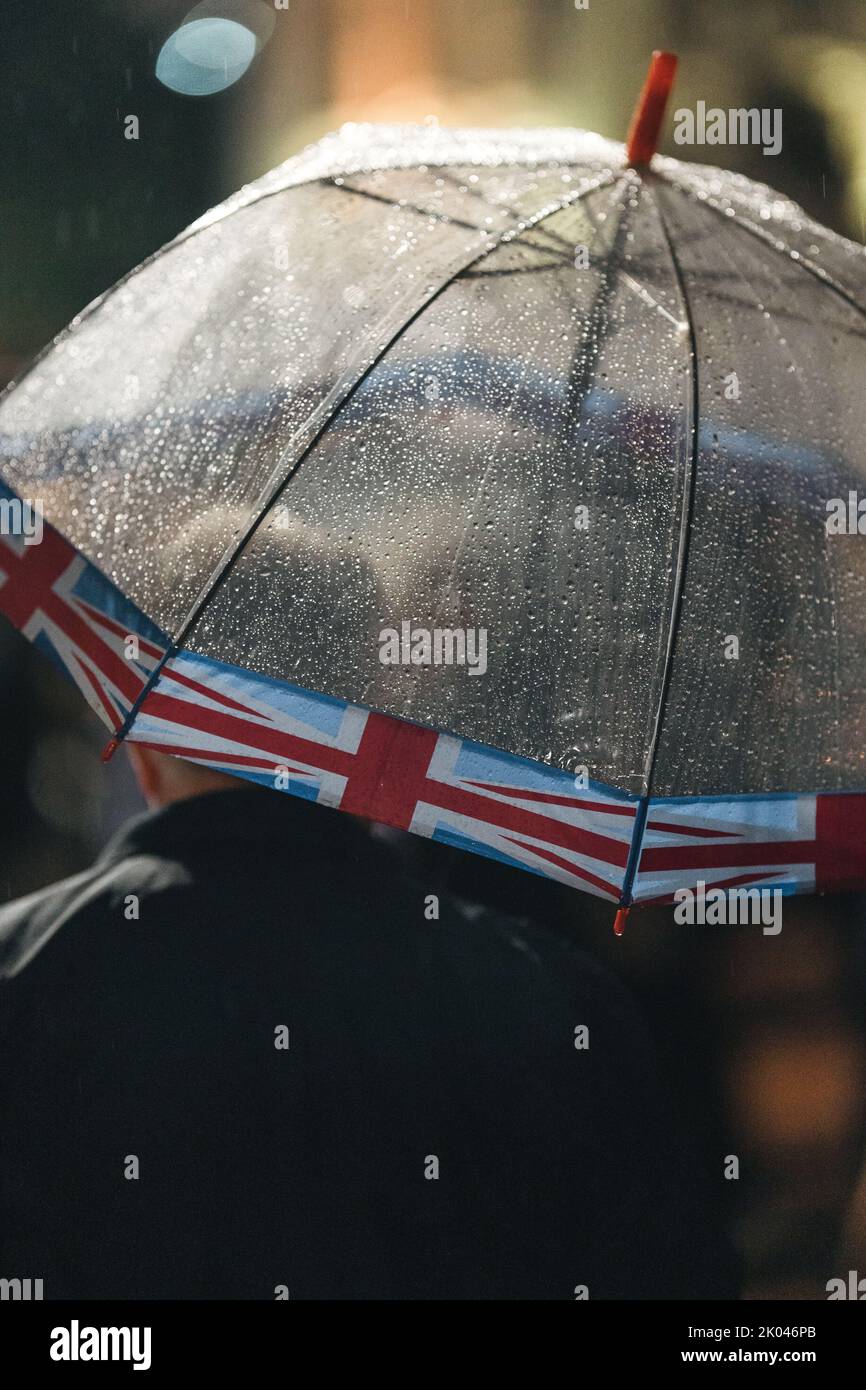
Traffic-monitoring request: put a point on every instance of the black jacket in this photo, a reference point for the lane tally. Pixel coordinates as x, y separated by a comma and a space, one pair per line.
430, 1131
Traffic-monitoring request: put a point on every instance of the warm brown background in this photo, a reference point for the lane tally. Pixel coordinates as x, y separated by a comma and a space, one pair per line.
764, 1036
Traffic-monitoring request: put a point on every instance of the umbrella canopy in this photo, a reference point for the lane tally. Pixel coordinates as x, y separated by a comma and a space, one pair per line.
420, 394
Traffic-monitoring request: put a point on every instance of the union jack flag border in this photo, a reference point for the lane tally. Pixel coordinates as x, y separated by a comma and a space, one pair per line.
510, 809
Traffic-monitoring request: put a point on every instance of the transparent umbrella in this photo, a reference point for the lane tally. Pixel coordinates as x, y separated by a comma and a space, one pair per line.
502, 486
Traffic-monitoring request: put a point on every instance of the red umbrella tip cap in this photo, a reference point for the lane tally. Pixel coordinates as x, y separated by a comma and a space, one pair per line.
643, 135
619, 921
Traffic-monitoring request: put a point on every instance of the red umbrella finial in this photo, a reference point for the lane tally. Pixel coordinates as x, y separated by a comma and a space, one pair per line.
650, 110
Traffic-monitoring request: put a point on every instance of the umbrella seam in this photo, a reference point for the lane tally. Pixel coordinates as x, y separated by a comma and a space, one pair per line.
778, 245
177, 642
504, 206
343, 187
686, 503
402, 206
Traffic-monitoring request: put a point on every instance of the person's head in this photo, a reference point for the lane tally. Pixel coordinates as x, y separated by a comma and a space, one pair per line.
163, 779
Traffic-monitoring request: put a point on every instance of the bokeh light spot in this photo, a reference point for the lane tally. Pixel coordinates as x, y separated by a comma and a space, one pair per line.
205, 56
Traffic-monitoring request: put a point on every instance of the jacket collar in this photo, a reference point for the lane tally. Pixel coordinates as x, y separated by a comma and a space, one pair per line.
218, 822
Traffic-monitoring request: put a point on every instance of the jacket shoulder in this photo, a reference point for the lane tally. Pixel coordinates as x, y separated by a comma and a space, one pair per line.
29, 923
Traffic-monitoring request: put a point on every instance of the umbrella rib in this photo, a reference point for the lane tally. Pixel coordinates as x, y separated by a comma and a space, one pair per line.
686, 504
559, 255
775, 244
403, 206
448, 177
274, 490
562, 251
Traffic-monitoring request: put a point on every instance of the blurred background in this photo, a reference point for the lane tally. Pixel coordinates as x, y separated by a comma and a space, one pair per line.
764, 1037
